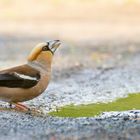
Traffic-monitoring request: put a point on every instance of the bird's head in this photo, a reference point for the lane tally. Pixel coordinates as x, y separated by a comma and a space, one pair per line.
43, 52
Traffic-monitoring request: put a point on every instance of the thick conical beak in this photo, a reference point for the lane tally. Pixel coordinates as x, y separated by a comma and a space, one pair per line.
54, 45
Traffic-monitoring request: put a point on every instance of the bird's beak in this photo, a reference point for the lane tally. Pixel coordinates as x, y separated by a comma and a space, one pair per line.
55, 45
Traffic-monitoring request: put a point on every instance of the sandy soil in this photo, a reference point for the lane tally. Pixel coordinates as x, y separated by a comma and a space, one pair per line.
72, 20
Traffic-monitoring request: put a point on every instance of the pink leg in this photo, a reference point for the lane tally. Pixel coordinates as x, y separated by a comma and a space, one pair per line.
21, 107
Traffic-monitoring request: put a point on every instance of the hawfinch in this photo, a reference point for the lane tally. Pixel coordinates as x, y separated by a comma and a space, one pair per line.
25, 82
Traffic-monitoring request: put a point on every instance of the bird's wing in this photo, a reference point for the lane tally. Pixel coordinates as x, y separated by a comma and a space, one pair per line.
19, 77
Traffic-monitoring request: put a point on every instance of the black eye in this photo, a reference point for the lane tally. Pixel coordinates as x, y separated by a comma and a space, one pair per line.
45, 48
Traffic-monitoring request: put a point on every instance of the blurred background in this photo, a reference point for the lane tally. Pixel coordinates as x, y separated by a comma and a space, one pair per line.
94, 33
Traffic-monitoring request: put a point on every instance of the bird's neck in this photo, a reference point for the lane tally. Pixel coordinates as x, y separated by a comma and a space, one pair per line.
43, 61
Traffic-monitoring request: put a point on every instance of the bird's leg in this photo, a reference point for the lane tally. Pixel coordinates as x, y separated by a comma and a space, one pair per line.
21, 107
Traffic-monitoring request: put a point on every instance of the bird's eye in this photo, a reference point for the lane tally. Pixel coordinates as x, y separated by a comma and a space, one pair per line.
45, 48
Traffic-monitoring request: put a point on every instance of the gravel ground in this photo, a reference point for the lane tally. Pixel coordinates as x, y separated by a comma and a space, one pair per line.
82, 84
91, 86
113, 126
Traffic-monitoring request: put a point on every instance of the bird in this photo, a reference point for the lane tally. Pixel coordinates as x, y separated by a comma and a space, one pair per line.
27, 81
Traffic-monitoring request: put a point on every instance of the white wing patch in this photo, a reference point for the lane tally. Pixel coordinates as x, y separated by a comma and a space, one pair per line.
25, 76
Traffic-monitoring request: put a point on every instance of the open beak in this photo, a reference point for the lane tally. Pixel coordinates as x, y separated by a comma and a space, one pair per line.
55, 45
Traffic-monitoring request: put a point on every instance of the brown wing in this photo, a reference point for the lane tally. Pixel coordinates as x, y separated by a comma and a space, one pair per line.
19, 77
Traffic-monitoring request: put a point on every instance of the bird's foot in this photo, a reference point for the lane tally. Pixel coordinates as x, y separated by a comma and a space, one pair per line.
23, 108
20, 107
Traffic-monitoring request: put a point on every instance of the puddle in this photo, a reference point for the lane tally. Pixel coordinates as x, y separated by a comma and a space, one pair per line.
132, 101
